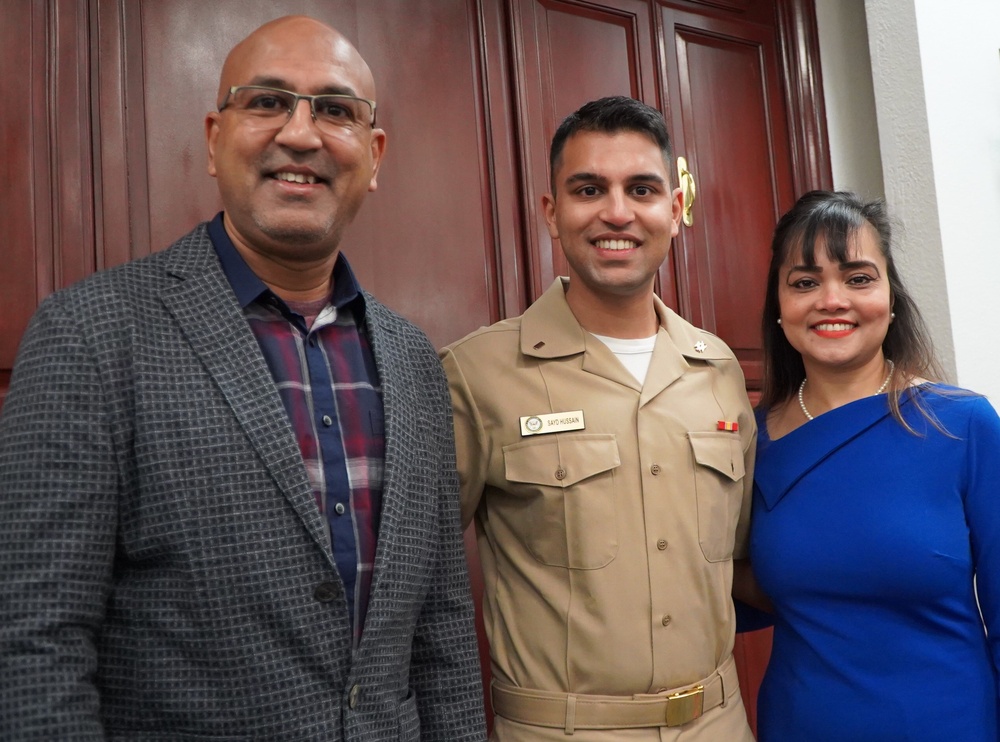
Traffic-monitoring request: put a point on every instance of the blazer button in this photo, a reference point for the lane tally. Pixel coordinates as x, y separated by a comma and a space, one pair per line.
655, 469
661, 544
353, 696
326, 592
560, 474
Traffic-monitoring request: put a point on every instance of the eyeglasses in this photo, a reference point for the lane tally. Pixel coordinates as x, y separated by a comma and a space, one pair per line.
272, 108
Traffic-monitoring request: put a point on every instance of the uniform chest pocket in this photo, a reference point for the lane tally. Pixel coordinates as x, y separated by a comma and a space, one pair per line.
567, 485
718, 482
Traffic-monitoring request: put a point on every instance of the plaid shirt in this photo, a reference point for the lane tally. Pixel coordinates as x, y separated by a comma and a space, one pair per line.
327, 380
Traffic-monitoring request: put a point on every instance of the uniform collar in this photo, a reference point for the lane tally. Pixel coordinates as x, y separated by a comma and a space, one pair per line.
549, 329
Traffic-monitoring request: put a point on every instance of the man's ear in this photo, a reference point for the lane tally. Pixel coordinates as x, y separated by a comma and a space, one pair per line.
378, 150
211, 135
549, 209
677, 210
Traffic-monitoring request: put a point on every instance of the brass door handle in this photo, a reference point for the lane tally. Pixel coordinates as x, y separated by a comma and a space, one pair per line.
686, 179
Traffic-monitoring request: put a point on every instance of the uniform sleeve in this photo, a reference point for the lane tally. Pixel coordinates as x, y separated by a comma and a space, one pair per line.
470, 440
58, 515
982, 511
446, 673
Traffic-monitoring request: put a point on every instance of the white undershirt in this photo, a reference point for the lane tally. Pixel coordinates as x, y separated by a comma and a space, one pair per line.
634, 353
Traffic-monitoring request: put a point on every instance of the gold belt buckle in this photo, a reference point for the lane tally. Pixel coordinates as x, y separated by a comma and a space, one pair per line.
686, 705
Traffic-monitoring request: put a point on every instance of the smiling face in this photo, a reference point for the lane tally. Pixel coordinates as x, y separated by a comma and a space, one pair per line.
834, 314
289, 192
614, 212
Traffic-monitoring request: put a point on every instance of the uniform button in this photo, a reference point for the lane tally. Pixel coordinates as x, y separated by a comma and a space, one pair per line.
661, 544
327, 420
666, 620
560, 474
339, 508
325, 592
655, 468
353, 696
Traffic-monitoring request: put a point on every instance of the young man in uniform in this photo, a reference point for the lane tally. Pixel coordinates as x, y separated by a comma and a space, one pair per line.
605, 449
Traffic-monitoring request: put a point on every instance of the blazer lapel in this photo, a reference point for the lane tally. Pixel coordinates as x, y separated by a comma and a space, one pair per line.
392, 553
382, 336
210, 318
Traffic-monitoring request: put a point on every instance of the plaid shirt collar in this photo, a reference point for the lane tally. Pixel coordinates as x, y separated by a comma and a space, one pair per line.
249, 288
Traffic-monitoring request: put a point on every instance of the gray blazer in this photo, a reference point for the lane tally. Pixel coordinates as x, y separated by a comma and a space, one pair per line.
164, 569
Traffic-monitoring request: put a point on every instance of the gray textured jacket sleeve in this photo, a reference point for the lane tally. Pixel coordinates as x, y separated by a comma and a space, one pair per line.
58, 519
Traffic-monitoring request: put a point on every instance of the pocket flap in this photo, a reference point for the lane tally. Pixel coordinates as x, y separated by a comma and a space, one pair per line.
561, 461
721, 451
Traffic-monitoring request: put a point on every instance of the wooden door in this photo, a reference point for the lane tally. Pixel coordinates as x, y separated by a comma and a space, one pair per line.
715, 69
105, 160
730, 122
567, 53
46, 193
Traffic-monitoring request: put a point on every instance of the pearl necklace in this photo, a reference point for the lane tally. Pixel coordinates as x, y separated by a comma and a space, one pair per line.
802, 402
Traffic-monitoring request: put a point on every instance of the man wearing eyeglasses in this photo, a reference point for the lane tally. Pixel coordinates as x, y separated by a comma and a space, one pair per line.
228, 501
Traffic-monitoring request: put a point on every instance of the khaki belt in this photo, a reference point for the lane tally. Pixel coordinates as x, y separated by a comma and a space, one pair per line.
571, 711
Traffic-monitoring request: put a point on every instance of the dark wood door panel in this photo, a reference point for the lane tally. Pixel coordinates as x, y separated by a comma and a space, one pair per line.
731, 124
424, 242
46, 196
743, 11
26, 253
567, 53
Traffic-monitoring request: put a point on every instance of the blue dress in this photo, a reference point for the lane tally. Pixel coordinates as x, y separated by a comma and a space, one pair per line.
867, 538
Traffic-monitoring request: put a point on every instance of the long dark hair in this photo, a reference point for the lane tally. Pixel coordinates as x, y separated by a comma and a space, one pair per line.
837, 217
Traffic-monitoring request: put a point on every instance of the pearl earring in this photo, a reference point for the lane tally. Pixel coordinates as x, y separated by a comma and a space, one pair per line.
892, 315
779, 320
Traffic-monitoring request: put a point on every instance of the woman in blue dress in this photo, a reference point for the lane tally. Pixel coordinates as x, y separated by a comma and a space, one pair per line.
876, 510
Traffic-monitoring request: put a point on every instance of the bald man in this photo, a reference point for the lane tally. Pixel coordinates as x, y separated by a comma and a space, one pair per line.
228, 501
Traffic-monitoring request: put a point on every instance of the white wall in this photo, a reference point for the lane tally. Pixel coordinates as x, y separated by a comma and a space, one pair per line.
850, 98
960, 60
907, 169
935, 72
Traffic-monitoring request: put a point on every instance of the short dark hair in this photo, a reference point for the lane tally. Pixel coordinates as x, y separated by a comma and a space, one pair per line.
836, 216
610, 115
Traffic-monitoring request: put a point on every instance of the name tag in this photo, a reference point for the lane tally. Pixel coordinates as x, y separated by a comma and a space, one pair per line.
552, 423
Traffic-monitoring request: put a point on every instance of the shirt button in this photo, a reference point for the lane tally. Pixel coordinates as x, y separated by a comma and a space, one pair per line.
339, 508
327, 420
354, 696
560, 474
655, 468
666, 620
661, 544
325, 592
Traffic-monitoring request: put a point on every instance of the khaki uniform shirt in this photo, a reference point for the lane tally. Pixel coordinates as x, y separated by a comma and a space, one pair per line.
606, 550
